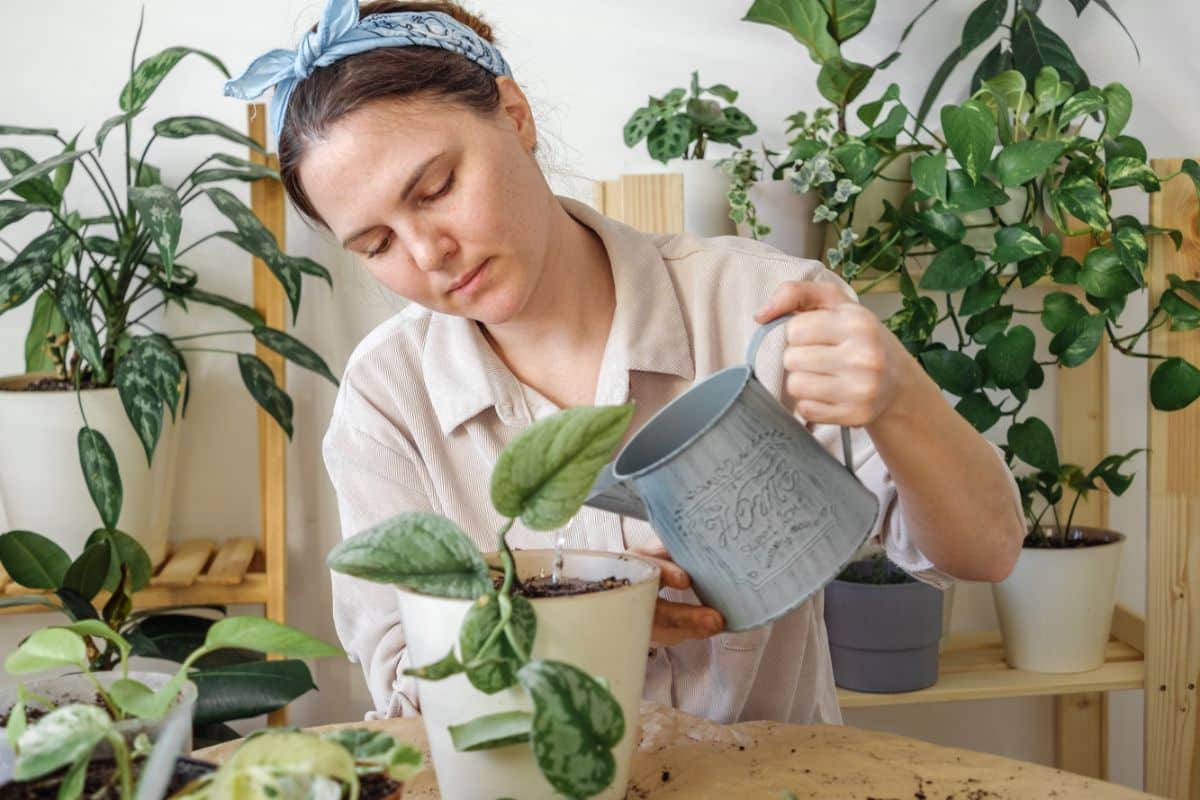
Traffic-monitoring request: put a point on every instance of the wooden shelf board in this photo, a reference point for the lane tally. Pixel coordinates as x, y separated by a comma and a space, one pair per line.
251, 590
972, 667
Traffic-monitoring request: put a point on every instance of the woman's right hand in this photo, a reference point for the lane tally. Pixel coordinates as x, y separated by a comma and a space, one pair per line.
678, 622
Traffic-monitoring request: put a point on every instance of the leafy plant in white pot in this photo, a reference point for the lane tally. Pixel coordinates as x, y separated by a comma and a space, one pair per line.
680, 125
530, 687
97, 377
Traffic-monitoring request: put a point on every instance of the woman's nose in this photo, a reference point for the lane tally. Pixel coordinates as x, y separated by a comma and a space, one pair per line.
430, 248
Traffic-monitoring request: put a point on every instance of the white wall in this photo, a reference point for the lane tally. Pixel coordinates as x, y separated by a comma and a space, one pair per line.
586, 66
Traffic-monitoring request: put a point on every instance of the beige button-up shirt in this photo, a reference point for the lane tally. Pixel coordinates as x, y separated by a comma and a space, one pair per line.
426, 406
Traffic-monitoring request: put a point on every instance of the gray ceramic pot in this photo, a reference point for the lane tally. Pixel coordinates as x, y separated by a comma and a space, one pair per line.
883, 637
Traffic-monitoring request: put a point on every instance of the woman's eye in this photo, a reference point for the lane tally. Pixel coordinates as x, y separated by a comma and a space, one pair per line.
382, 246
445, 188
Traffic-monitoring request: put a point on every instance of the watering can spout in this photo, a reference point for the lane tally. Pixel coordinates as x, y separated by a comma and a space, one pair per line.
610, 493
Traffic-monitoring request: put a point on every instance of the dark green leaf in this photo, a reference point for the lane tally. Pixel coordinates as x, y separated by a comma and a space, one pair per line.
847, 17
1175, 384
259, 379
495, 669
805, 20
241, 310
163, 216
1060, 309
32, 560
75, 606
62, 175
982, 22
100, 472
966, 196
981, 295
1021, 162
423, 551
1125, 146
576, 723
294, 350
1032, 442
246, 690
987, 325
941, 227
1175, 235
953, 269
840, 80
544, 475
857, 160
1104, 275
938, 81
1184, 315
996, 61
128, 552
150, 73
86, 574
979, 411
238, 169
929, 175
491, 731
1104, 4
1017, 243
1075, 343
376, 751
74, 308
953, 371
892, 126
37, 190
1010, 355
970, 132
1035, 46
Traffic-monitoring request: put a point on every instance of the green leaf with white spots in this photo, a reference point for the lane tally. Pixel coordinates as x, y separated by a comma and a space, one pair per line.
970, 133
143, 404
444, 667
929, 175
30, 270
17, 130
183, 127
1080, 197
100, 472
1125, 171
376, 750
241, 310
33, 172
239, 170
307, 266
283, 267
1017, 243
1009, 356
423, 551
496, 668
15, 210
576, 723
294, 350
156, 357
162, 215
261, 382
491, 731
151, 72
37, 189
75, 311
66, 735
669, 139
1130, 243
544, 475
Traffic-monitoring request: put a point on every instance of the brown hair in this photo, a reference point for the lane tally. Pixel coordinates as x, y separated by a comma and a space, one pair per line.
331, 92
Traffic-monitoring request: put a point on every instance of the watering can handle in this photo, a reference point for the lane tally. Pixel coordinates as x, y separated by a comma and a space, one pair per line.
752, 353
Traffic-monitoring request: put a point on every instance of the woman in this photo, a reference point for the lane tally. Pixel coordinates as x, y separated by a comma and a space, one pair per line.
403, 133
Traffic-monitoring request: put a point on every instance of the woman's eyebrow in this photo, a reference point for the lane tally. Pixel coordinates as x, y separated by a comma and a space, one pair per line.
409, 185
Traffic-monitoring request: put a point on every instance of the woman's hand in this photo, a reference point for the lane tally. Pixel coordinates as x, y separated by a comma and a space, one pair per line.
842, 366
678, 622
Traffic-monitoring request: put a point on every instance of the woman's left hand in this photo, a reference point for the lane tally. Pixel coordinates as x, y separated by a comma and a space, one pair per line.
842, 366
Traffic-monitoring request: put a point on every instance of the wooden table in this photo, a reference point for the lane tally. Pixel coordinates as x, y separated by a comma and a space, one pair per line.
681, 756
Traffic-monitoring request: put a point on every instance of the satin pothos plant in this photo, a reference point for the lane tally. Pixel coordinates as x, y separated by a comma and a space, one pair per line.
542, 478
94, 279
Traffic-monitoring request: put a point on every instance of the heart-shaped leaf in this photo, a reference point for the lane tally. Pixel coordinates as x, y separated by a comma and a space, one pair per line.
266, 636
929, 175
45, 649
1060, 309
955, 372
953, 269
1021, 162
970, 133
496, 668
1010, 355
1032, 442
1104, 275
128, 551
1017, 243
86, 574
66, 735
1075, 343
1174, 384
978, 410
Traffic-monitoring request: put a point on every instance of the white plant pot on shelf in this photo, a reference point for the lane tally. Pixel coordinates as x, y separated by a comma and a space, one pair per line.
1056, 607
790, 217
606, 634
705, 197
42, 487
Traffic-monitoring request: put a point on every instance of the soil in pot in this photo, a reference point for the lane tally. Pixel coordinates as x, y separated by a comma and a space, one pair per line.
545, 586
52, 384
1075, 538
34, 712
102, 782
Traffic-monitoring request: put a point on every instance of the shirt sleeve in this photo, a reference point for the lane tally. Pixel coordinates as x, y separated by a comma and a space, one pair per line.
373, 480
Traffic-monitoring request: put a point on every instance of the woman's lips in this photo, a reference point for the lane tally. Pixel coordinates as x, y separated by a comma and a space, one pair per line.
470, 280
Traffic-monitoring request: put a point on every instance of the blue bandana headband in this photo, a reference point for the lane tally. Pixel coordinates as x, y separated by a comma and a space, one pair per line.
341, 33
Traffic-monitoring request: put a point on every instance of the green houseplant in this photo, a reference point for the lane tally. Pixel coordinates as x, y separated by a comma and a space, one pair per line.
679, 126
579, 726
93, 280
232, 683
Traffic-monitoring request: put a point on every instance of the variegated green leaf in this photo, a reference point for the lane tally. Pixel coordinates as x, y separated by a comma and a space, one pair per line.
239, 169
47, 320
101, 474
79, 319
62, 175
1081, 198
496, 668
34, 171
163, 216
39, 189
423, 551
294, 350
16, 130
243, 311
183, 127
261, 382
156, 357
143, 405
307, 266
107, 126
144, 173
14, 210
30, 270
576, 723
64, 736
544, 475
150, 73
282, 267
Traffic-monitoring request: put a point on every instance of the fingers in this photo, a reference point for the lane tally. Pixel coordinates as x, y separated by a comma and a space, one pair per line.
679, 622
671, 574
801, 296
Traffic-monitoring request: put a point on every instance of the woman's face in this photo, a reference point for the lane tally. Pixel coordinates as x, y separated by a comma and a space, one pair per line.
443, 206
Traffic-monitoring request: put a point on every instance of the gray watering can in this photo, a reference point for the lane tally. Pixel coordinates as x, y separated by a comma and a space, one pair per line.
743, 497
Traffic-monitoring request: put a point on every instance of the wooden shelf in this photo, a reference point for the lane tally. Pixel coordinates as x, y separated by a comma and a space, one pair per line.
972, 667
198, 571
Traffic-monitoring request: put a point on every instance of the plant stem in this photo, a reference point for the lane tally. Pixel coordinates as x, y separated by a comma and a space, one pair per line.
207, 350
211, 333
142, 159
962, 343
1112, 336
1071, 514
198, 241
121, 756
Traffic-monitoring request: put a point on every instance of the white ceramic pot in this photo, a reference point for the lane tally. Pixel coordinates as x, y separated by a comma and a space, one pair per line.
1056, 607
790, 216
41, 484
705, 197
77, 688
606, 634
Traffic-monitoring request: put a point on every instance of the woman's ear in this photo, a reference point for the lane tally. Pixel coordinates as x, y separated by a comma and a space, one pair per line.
514, 108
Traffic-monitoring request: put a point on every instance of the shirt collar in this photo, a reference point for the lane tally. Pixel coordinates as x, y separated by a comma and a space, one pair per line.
464, 376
